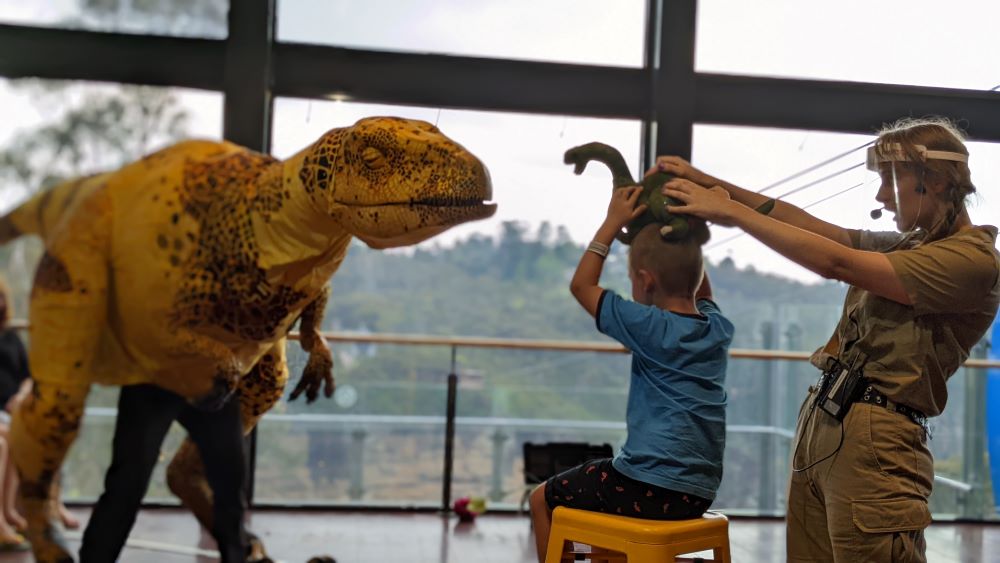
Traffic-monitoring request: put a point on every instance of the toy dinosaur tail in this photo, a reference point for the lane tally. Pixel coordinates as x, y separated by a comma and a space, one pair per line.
40, 213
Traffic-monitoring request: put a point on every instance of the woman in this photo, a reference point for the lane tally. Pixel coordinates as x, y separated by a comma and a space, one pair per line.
919, 300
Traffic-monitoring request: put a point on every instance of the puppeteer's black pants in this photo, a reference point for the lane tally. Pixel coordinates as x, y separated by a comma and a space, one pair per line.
145, 413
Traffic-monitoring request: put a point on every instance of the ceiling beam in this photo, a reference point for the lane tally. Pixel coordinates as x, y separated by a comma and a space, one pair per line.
64, 54
313, 71
848, 107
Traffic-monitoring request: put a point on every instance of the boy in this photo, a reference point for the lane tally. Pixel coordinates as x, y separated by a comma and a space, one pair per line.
671, 463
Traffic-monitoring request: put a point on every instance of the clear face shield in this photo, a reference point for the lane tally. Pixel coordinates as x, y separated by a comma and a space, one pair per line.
893, 153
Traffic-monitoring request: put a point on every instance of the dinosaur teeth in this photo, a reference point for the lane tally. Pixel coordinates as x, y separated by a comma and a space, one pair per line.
447, 202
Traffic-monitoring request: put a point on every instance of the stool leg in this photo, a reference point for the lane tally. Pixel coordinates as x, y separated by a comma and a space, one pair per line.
721, 553
556, 546
596, 554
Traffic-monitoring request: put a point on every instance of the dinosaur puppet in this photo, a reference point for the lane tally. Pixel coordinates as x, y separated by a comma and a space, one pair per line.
674, 227
187, 268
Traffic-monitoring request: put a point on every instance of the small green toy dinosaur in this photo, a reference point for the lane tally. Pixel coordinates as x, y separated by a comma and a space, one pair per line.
675, 227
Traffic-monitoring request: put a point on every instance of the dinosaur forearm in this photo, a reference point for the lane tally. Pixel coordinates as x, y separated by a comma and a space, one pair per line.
319, 367
311, 321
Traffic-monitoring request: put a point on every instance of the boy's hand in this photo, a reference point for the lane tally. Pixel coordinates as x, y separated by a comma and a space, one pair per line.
622, 208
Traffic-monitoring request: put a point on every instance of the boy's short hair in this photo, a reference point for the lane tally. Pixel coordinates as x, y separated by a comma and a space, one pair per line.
677, 265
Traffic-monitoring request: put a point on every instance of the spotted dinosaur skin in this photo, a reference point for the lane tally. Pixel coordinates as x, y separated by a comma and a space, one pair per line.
187, 268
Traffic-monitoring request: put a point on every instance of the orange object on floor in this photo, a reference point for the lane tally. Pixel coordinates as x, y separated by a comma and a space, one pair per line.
640, 541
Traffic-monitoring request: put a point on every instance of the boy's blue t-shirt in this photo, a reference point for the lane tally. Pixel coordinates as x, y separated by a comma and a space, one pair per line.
676, 416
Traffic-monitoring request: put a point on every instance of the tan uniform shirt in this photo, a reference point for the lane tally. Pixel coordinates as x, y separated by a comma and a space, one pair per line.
954, 285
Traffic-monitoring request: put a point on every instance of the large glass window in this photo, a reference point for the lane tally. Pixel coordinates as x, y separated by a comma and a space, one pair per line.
779, 305
574, 31
524, 154
381, 439
920, 42
841, 191
189, 18
57, 130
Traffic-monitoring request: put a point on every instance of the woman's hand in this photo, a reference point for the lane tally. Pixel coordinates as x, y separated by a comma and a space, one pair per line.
622, 208
681, 168
712, 204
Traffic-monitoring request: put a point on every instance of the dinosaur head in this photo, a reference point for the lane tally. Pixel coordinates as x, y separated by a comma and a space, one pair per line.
394, 182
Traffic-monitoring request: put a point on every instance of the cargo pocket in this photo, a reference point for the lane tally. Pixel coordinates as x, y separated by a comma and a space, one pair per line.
882, 516
892, 530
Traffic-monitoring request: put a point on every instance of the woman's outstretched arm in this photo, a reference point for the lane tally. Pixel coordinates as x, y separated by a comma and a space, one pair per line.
871, 271
784, 212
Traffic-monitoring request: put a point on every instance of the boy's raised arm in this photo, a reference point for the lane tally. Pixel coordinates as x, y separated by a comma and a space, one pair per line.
585, 285
705, 289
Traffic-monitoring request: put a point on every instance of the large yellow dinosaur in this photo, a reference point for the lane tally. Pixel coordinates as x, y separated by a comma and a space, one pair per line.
187, 268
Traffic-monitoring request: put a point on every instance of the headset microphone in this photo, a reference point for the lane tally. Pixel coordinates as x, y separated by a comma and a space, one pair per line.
876, 213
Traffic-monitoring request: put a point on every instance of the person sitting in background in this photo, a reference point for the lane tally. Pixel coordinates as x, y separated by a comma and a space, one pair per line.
671, 464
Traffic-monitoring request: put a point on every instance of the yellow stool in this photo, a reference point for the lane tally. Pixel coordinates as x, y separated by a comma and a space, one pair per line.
641, 541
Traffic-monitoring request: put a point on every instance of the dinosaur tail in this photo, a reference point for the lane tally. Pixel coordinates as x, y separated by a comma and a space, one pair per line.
40, 213
20, 221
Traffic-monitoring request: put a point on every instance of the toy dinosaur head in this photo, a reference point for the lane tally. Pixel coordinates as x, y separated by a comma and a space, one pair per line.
394, 182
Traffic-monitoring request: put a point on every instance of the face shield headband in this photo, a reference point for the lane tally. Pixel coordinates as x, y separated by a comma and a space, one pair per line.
894, 153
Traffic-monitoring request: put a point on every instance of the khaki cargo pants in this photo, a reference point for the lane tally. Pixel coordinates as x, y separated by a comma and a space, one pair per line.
867, 502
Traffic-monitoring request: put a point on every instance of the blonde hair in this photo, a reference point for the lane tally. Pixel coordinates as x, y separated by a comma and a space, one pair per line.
934, 133
677, 265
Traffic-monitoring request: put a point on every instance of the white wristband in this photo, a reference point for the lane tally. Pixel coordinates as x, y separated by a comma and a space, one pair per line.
598, 248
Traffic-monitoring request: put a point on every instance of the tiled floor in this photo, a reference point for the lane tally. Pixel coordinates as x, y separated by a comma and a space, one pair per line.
382, 537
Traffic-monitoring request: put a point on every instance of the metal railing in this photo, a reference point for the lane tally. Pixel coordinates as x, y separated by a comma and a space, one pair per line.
451, 419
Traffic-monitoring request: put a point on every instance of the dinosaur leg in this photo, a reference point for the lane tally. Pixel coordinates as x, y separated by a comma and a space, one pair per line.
259, 390
68, 312
43, 428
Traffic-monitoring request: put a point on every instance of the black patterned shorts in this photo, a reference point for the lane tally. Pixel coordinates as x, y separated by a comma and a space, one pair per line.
599, 487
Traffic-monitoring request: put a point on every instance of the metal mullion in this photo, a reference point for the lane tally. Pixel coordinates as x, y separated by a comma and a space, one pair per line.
247, 110
449, 433
651, 59
248, 74
675, 91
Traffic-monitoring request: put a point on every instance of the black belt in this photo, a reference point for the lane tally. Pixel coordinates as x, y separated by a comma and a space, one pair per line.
873, 396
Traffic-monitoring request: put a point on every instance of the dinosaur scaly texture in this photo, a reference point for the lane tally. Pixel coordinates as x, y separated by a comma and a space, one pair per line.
186, 269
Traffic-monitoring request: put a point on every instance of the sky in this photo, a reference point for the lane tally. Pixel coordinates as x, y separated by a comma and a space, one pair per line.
891, 41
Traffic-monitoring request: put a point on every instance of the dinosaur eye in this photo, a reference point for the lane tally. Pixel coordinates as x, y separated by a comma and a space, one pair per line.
373, 157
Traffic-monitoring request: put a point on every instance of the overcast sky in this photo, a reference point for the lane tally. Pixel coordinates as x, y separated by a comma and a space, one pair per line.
891, 41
